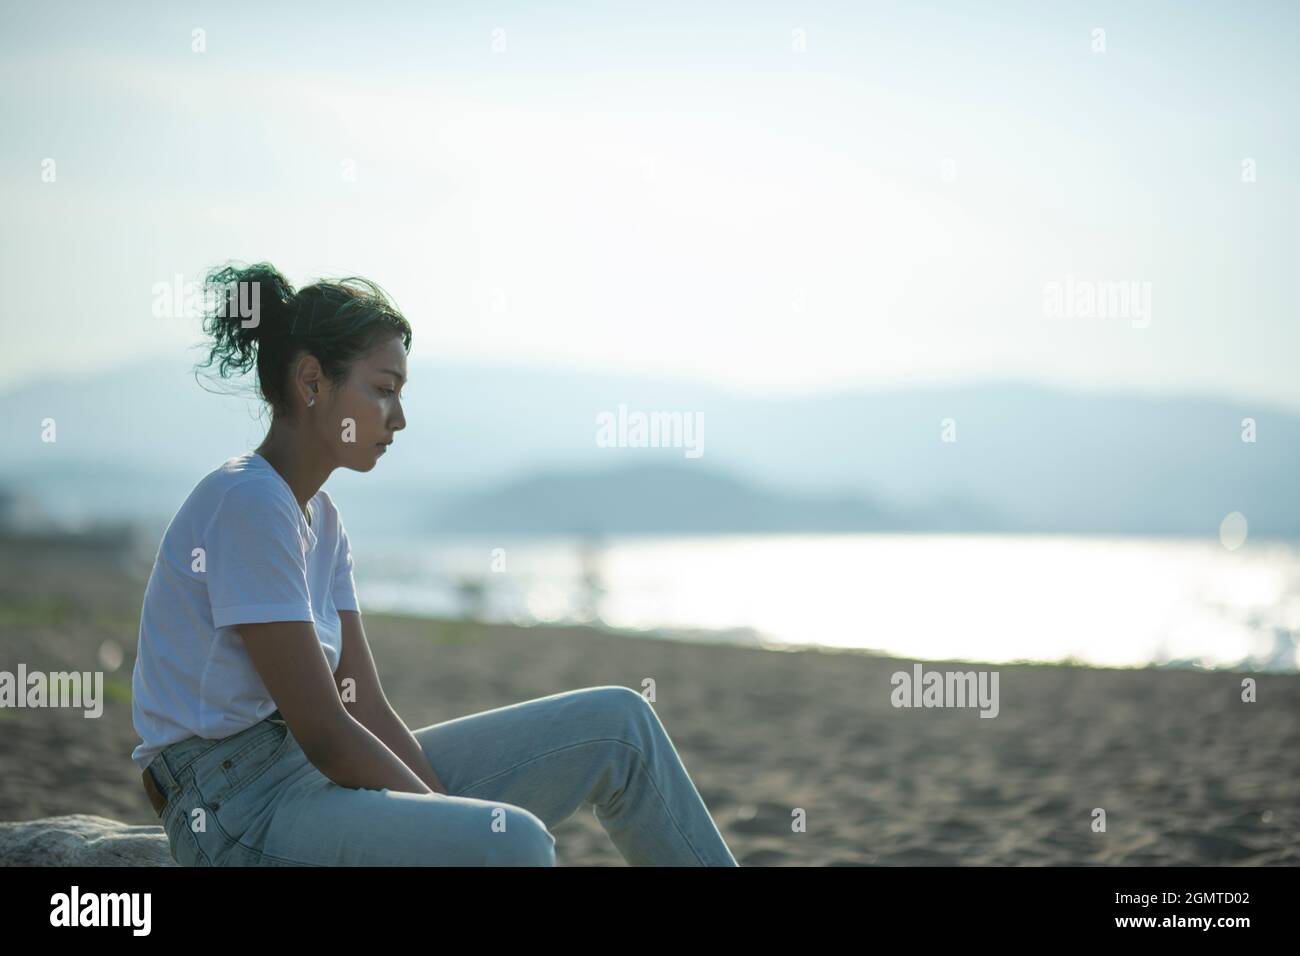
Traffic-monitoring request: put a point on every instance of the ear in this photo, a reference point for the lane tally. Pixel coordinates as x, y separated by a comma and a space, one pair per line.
307, 376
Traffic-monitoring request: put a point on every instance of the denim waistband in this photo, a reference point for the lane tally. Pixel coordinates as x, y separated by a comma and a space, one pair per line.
171, 763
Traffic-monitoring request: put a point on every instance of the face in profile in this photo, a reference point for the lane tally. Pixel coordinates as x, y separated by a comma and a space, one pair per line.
371, 398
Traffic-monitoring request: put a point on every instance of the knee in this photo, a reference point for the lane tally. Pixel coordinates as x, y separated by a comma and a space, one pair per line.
614, 698
630, 713
523, 840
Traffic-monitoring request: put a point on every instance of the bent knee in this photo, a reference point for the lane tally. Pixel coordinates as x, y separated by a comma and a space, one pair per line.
617, 698
523, 840
620, 712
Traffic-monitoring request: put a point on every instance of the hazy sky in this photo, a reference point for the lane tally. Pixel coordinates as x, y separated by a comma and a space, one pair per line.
769, 196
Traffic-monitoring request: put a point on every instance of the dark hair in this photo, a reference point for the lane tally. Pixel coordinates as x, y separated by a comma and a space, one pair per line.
336, 321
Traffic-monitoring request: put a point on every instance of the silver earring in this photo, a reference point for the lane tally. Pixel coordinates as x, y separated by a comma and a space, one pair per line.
312, 402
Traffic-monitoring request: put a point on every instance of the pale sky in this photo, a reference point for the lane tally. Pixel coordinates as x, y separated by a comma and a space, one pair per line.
770, 197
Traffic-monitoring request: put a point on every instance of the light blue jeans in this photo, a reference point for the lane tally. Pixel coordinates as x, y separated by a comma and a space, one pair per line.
254, 799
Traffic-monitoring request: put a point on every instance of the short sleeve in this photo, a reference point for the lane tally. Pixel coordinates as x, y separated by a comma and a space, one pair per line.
345, 587
256, 560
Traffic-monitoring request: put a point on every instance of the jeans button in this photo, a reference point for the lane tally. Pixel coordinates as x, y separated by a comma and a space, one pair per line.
225, 763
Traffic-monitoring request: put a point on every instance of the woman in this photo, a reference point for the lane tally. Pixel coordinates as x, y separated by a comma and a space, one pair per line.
266, 738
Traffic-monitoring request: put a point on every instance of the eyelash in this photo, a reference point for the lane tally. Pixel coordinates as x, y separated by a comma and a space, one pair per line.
389, 391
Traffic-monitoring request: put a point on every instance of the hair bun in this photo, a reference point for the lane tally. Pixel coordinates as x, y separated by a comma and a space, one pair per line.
259, 293
243, 307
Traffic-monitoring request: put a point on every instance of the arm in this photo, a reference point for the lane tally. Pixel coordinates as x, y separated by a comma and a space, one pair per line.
257, 584
289, 659
365, 700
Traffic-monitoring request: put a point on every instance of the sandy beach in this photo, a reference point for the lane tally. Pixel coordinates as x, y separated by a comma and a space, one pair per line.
1187, 773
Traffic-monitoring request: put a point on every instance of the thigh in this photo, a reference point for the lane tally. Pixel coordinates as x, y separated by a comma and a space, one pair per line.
540, 754
316, 822
265, 803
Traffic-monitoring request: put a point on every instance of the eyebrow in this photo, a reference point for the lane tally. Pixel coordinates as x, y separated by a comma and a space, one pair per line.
398, 375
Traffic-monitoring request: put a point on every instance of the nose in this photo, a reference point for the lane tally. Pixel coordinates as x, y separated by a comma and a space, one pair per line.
398, 421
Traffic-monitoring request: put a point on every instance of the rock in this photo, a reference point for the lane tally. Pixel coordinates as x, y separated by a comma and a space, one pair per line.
82, 839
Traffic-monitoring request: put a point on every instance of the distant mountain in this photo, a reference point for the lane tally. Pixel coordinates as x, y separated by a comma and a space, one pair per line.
132, 442
676, 498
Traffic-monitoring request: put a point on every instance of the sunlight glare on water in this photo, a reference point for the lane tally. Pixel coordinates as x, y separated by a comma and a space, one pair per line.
1109, 601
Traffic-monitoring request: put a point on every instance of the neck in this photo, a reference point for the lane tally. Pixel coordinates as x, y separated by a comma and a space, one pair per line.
300, 464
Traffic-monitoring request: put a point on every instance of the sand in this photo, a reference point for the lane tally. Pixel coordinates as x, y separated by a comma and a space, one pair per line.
1186, 772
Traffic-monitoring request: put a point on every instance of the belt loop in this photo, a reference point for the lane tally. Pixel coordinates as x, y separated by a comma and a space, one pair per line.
163, 776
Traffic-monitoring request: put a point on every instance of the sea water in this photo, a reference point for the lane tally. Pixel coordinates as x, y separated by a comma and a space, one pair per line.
1104, 601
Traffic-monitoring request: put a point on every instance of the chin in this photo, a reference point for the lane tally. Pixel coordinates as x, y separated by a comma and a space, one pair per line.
360, 463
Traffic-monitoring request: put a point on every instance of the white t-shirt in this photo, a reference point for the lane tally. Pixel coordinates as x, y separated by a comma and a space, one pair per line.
261, 560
